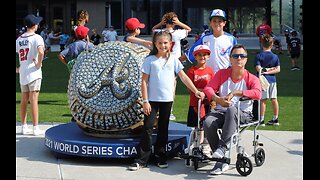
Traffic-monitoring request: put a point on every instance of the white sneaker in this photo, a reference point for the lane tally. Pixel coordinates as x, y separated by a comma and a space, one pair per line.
172, 117
25, 130
37, 132
219, 153
219, 168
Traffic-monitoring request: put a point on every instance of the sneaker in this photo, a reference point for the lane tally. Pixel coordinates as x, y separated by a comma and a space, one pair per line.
297, 68
262, 124
25, 130
273, 122
73, 120
172, 117
37, 131
135, 166
219, 168
162, 164
293, 68
219, 153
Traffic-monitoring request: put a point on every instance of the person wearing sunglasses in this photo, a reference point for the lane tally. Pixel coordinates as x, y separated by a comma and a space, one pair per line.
231, 84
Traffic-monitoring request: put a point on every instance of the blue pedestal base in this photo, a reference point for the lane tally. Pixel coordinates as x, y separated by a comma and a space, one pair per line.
69, 139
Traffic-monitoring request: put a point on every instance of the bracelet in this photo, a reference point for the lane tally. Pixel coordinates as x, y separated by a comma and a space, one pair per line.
145, 101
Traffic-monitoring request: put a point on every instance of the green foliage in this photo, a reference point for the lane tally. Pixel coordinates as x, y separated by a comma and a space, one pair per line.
53, 101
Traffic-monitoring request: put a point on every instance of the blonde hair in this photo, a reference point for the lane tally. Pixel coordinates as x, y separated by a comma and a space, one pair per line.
82, 15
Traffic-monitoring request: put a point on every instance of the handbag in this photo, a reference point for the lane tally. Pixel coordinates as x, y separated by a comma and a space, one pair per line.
264, 83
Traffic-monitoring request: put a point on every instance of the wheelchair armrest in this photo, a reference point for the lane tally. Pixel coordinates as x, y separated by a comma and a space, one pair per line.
244, 99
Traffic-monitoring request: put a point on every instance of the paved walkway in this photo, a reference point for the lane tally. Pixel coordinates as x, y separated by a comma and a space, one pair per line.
34, 161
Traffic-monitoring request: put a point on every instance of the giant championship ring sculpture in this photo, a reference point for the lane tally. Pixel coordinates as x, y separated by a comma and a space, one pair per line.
104, 93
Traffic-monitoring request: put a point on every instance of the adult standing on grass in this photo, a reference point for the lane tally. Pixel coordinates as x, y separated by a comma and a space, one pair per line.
270, 64
219, 42
30, 47
158, 76
232, 84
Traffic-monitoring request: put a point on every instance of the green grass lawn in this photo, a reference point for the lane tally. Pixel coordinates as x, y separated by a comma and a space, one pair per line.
53, 102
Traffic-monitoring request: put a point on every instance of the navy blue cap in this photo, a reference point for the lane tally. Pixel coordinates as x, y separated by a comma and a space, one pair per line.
31, 20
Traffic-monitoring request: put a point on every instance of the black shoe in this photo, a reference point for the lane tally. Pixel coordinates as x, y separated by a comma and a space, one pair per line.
262, 124
162, 164
274, 122
135, 166
73, 120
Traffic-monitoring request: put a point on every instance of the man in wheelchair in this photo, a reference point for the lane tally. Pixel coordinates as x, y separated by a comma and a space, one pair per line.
232, 84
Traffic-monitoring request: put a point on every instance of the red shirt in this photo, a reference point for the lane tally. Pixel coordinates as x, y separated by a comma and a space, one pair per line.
200, 78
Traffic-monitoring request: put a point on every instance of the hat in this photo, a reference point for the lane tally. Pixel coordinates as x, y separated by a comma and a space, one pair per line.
218, 13
31, 20
201, 48
81, 32
133, 23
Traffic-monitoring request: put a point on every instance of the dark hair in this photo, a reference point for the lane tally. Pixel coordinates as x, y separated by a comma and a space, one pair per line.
155, 37
169, 16
237, 46
294, 33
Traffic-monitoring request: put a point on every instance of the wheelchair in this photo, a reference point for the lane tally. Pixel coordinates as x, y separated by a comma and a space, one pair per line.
194, 154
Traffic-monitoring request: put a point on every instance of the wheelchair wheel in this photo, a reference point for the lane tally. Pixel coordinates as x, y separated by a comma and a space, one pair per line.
195, 158
188, 162
244, 165
196, 163
259, 156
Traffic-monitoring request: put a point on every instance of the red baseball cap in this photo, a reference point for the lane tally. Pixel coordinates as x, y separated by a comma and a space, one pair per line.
133, 23
81, 32
201, 48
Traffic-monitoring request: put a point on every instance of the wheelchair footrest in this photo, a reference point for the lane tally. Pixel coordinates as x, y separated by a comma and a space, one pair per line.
223, 160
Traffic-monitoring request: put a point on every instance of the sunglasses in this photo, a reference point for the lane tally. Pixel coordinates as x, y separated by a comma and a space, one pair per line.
236, 56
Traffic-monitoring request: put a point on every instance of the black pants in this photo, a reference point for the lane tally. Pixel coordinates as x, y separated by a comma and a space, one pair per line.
164, 109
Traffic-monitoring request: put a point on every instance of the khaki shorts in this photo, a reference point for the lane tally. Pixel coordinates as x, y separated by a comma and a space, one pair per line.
271, 92
33, 86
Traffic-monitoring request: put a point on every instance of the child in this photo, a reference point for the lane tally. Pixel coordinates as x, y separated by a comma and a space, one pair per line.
277, 46
294, 47
30, 47
170, 20
270, 63
82, 19
200, 75
133, 26
158, 76
74, 49
219, 42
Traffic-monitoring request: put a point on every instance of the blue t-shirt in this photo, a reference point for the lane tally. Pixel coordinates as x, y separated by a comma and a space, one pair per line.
64, 38
267, 59
74, 49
